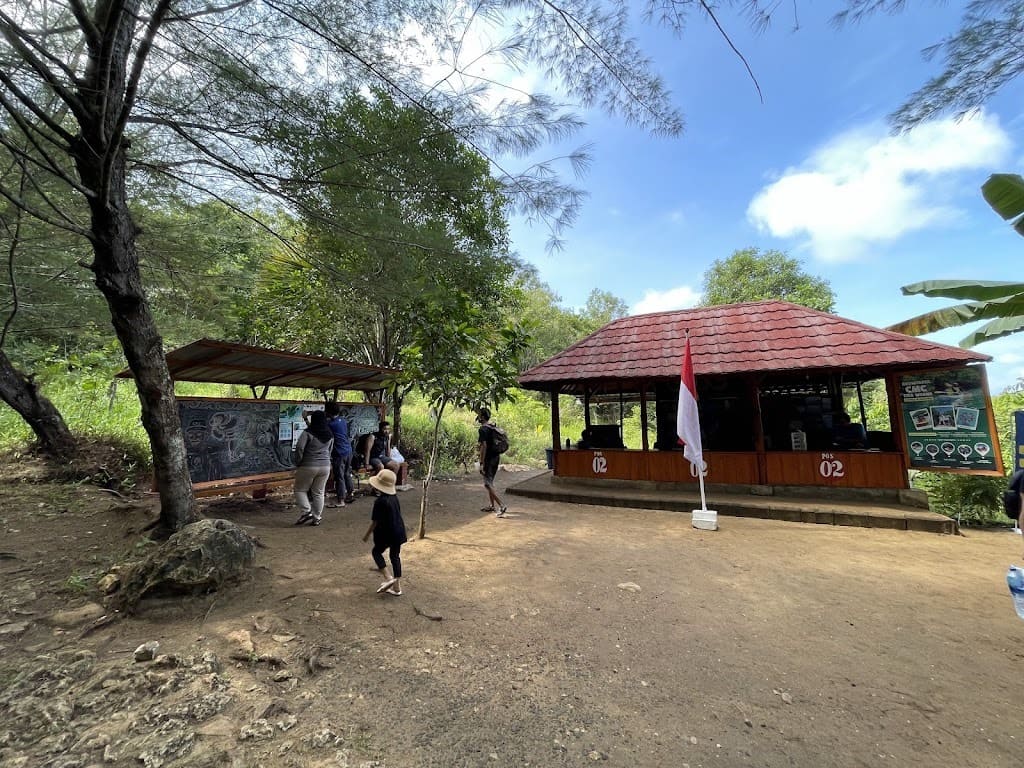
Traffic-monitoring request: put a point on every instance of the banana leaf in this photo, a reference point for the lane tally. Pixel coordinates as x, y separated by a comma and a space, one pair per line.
1005, 193
973, 290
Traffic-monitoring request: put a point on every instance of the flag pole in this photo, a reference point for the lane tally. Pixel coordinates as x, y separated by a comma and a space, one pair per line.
688, 433
700, 478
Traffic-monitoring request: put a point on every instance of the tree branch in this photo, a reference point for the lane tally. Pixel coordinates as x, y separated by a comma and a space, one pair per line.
36, 213
14, 34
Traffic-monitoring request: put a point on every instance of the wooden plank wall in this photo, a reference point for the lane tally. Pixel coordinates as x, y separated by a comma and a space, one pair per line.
839, 469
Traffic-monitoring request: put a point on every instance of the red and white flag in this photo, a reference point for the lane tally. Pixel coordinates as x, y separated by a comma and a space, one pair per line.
687, 419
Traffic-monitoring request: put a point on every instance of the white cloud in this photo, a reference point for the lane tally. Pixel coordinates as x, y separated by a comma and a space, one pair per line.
866, 186
1007, 366
682, 297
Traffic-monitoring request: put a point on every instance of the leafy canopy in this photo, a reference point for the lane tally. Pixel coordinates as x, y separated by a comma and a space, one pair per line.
753, 275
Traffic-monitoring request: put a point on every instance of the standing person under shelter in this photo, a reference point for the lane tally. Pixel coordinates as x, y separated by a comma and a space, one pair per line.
312, 455
489, 458
341, 455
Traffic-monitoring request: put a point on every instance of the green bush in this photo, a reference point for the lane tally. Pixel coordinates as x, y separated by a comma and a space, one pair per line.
456, 439
970, 499
93, 403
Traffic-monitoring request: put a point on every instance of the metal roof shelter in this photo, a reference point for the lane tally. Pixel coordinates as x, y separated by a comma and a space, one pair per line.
223, 362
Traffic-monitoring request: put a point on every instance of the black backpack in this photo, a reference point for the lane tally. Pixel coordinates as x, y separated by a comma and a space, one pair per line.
1011, 496
499, 439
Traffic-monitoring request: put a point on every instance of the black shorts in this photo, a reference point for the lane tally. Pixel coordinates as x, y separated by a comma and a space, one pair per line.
490, 469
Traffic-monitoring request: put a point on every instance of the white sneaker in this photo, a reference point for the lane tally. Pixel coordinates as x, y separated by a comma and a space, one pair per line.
386, 585
393, 591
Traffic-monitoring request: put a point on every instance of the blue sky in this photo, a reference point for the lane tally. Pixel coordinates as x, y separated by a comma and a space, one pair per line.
813, 171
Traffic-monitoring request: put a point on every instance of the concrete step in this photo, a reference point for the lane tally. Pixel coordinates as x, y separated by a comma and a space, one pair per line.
803, 509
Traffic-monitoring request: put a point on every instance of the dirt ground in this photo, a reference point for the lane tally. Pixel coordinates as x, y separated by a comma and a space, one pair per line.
561, 636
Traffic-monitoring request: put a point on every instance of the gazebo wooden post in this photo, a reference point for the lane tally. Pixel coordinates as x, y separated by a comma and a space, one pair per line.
556, 428
754, 393
895, 413
586, 408
860, 404
892, 394
643, 415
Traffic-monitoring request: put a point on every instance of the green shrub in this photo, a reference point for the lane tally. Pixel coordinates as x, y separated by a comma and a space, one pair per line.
93, 403
456, 439
970, 499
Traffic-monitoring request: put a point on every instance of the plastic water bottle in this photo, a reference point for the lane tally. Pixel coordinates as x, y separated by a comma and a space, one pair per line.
1015, 581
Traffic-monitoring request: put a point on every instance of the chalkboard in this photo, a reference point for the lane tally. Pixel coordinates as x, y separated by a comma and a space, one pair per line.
235, 438
362, 419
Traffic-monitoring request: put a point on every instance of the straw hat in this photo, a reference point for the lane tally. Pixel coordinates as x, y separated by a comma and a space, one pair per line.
384, 481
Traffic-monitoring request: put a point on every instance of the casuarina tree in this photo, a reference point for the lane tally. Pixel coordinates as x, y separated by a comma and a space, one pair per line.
109, 91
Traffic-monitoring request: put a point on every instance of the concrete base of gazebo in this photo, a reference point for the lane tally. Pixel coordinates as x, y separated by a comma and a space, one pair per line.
865, 508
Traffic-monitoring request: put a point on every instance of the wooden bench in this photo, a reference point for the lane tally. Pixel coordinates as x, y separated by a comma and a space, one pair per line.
258, 485
362, 474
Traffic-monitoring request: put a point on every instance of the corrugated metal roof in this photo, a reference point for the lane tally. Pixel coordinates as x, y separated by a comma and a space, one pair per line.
761, 337
223, 362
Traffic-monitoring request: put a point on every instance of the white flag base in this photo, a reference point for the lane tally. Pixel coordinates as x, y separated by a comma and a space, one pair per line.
705, 519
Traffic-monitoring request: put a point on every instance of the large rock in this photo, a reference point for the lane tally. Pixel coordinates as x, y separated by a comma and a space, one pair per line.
199, 558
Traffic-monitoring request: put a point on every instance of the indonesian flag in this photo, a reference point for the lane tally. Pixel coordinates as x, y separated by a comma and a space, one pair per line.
687, 419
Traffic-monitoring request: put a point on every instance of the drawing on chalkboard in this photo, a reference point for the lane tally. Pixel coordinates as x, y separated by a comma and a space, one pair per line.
226, 439
235, 438
362, 419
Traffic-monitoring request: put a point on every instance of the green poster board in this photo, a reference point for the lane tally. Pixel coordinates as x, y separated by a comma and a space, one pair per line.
946, 418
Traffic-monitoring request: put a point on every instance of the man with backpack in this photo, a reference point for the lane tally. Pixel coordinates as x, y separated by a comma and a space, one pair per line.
491, 443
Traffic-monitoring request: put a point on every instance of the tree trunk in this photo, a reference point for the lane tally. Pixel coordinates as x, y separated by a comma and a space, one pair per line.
21, 393
422, 534
99, 153
116, 267
399, 394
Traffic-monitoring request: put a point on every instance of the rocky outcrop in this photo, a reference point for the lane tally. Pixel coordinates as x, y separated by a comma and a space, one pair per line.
199, 558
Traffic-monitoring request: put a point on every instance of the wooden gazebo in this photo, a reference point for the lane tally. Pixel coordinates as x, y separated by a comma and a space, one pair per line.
771, 378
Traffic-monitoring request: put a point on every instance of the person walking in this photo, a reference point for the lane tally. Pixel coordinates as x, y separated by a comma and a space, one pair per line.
388, 530
489, 459
312, 456
341, 456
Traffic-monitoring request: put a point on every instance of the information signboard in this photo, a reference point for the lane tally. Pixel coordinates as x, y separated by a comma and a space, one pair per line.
947, 419
233, 438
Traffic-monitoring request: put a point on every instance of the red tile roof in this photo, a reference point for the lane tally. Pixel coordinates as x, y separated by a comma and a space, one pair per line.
762, 336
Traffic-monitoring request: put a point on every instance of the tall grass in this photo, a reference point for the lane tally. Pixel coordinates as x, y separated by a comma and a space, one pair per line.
92, 404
